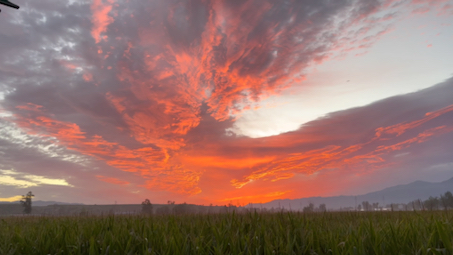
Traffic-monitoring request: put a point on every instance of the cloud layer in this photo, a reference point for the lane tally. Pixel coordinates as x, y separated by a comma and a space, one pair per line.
137, 97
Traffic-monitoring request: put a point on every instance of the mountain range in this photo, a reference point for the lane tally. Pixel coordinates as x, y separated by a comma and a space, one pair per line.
392, 195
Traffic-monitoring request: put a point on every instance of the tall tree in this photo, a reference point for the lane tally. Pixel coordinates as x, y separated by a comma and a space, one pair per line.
26, 202
147, 207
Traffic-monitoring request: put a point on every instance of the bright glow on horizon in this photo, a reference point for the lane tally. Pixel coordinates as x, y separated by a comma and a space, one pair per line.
10, 199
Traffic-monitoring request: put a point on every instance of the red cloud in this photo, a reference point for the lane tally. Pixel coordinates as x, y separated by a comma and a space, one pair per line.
147, 162
225, 56
399, 129
101, 18
182, 170
351, 157
420, 138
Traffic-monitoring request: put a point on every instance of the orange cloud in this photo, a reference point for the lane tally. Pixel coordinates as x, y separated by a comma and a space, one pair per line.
222, 162
420, 138
400, 128
148, 162
100, 18
229, 67
240, 161
351, 157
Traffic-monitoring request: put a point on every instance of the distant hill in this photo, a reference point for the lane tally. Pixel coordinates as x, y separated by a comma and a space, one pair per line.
43, 203
396, 194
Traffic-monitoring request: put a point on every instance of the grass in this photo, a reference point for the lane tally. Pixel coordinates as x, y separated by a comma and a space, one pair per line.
248, 233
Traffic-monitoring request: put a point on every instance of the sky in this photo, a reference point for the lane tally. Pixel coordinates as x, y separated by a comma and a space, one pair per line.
216, 102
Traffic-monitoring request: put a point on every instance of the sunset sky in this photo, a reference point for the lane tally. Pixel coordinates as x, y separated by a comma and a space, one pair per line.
211, 101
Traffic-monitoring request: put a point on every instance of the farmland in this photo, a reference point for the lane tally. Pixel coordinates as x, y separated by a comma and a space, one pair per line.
420, 232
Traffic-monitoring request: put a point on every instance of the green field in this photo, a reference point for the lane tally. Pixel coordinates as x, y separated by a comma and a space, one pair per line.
247, 233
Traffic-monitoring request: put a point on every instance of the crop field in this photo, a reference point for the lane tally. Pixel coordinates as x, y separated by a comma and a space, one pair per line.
232, 233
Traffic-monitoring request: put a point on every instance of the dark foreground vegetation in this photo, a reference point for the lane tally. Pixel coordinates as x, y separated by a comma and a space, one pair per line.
231, 233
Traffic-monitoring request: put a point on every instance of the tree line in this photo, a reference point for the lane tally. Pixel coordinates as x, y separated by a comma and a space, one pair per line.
444, 201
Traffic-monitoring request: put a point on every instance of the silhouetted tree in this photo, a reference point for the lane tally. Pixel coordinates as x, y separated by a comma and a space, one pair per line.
375, 206
420, 202
26, 202
147, 207
415, 205
366, 206
448, 199
310, 208
432, 203
393, 207
322, 208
